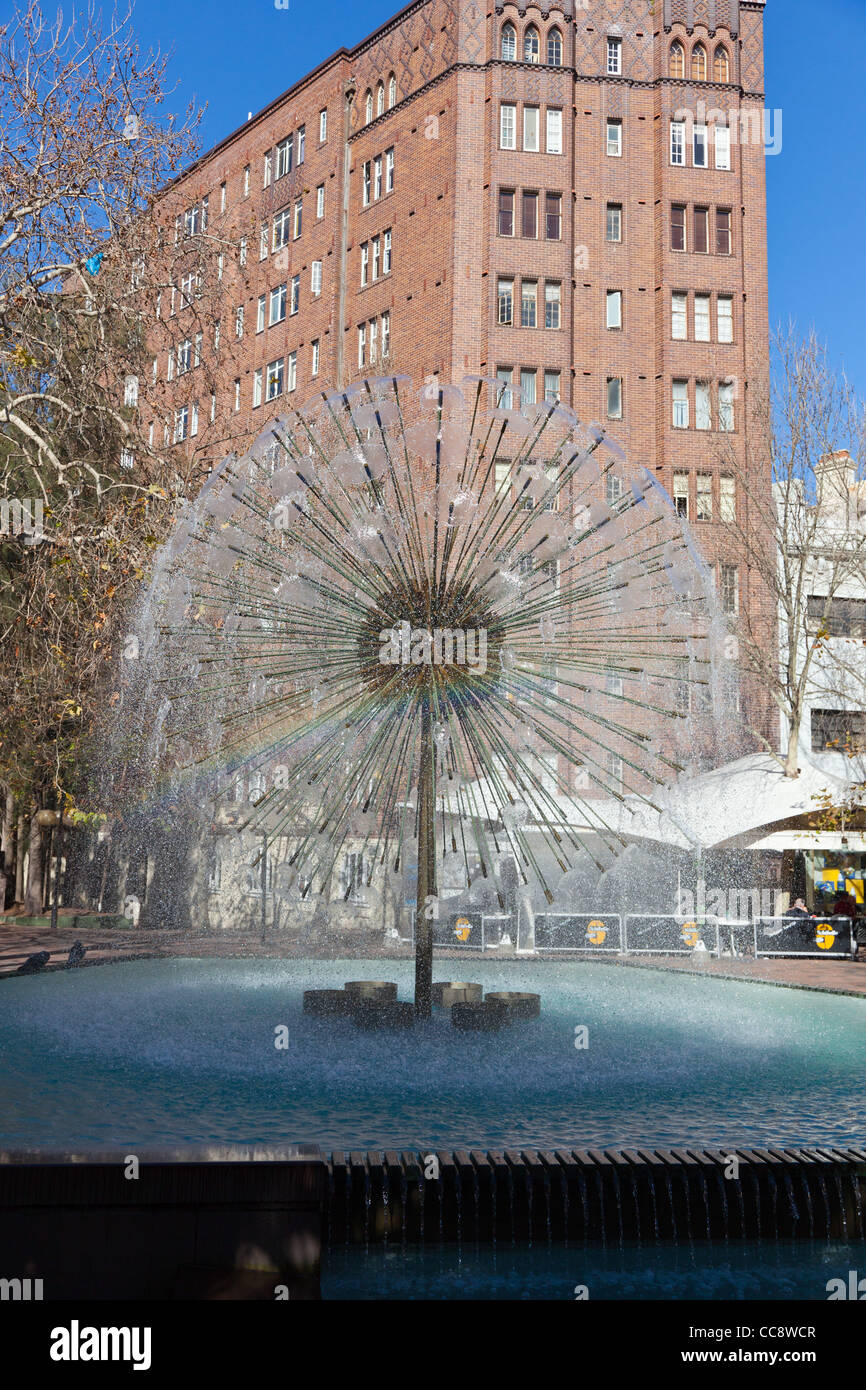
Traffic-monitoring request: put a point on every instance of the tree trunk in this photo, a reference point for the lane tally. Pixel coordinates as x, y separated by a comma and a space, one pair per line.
33, 896
7, 848
792, 755
19, 860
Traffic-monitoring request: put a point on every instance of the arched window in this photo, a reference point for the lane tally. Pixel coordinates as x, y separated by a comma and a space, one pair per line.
531, 46
380, 98
509, 43
721, 68
554, 49
392, 91
699, 63
678, 60
368, 106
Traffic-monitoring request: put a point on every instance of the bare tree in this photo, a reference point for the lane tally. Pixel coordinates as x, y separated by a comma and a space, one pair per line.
110, 289
804, 542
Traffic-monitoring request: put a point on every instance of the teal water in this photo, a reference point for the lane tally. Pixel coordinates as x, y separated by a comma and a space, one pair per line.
785, 1270
182, 1051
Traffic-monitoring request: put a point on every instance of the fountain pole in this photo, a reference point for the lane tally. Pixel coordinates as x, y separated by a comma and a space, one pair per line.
426, 871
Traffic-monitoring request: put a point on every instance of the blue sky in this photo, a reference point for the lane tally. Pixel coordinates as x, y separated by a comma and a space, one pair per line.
237, 57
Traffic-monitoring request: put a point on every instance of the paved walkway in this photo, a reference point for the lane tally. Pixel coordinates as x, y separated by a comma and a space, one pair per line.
21, 938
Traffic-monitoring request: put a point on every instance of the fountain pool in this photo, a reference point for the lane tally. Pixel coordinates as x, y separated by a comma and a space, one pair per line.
183, 1051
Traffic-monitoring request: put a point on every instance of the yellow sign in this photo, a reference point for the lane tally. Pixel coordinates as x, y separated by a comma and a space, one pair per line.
825, 935
462, 928
690, 934
596, 932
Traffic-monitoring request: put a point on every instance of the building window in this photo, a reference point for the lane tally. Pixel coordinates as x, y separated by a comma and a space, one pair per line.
702, 235
389, 171
247, 181
529, 304
295, 302
613, 315
386, 251
508, 126
726, 406
184, 356
239, 321
678, 142
365, 261
504, 398
316, 279
613, 222
678, 227
238, 391
362, 345
552, 304
723, 232
377, 178
506, 212
699, 63
282, 229
314, 366
386, 335
212, 406
292, 371
554, 49
614, 398
374, 342
614, 57
551, 386
257, 387
679, 316
530, 129
320, 201
725, 318
266, 169
368, 106
181, 424
704, 497
380, 99
840, 617
677, 65
700, 155
323, 125
553, 216
376, 247
392, 91
838, 730
703, 332
727, 498
263, 241
260, 317
223, 196
285, 151
529, 220
554, 131
298, 218
508, 49
681, 495
721, 68
527, 386
614, 138
130, 391
729, 589
365, 173
275, 379
703, 406
723, 147
242, 251
505, 300
531, 46
681, 405
277, 310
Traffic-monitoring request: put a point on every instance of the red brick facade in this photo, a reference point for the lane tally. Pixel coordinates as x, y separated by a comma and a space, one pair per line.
444, 82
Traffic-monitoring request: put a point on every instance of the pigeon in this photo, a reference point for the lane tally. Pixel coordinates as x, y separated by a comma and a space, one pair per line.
77, 952
33, 964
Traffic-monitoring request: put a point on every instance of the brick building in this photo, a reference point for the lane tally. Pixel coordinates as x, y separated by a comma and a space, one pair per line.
568, 197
